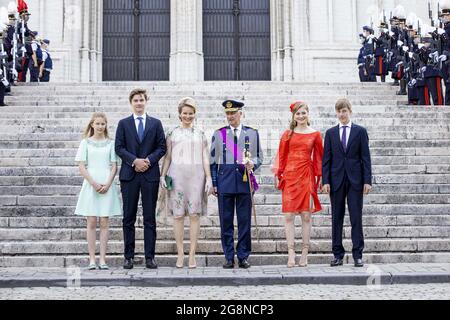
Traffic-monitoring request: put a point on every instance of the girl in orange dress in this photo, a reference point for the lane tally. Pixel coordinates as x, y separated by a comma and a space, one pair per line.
298, 171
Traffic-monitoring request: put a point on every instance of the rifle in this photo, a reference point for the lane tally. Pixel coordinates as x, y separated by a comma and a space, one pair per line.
430, 14
14, 53
3, 56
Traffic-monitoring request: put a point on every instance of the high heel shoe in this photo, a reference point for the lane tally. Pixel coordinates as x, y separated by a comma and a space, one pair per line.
192, 263
180, 263
304, 259
291, 259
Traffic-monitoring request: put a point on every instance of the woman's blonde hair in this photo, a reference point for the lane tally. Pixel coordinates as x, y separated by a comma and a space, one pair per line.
89, 131
187, 102
294, 108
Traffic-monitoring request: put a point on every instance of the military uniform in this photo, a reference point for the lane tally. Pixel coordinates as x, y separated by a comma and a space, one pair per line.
229, 148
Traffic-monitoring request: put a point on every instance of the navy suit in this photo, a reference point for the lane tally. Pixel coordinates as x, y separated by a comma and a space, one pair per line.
347, 172
129, 148
227, 174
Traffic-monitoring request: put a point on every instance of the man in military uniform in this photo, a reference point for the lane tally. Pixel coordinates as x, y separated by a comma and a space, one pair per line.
382, 47
235, 154
444, 59
368, 53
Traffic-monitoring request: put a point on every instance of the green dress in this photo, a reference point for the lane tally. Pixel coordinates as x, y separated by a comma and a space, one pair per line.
98, 156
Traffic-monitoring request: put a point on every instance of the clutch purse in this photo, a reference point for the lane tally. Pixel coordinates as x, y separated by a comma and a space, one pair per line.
169, 183
281, 184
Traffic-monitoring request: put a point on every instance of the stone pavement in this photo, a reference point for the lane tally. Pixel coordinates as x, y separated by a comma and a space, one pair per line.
370, 275
274, 292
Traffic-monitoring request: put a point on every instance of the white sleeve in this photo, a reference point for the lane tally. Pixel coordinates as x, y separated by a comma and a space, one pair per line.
34, 46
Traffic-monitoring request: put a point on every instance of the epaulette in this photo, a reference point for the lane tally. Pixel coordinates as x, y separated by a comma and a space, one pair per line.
251, 128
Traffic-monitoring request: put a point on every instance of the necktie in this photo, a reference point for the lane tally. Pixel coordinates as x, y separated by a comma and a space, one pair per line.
235, 144
344, 138
141, 129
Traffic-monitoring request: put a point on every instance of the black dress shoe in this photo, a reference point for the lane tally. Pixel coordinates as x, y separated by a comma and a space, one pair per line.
151, 264
3, 105
229, 264
337, 262
243, 264
359, 263
128, 264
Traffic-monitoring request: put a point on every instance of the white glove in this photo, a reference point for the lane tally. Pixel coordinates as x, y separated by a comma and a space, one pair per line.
360, 65
391, 33
400, 43
442, 58
440, 31
424, 69
405, 48
162, 182
411, 55
209, 188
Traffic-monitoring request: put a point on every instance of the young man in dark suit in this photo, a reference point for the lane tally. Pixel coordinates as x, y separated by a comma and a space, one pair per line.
140, 143
347, 175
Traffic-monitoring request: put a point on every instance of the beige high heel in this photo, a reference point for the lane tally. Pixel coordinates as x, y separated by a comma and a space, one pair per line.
291, 259
304, 259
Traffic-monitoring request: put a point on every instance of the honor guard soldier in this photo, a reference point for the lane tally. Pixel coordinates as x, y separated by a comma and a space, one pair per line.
47, 62
24, 35
444, 59
382, 47
368, 53
235, 155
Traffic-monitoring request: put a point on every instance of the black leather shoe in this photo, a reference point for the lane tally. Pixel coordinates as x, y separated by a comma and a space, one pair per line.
244, 264
229, 264
128, 264
337, 262
359, 263
151, 264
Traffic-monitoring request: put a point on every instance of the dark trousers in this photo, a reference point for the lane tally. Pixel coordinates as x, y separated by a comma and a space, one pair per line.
355, 205
130, 195
23, 75
447, 94
424, 95
34, 72
45, 76
435, 86
2, 93
243, 205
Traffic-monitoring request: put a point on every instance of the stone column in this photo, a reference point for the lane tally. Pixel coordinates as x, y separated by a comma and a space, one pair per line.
281, 12
84, 50
186, 49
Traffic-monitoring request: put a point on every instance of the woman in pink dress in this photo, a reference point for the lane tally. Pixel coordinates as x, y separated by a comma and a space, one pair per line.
187, 165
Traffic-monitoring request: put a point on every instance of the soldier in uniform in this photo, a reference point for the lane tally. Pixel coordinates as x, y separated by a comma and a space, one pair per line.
400, 38
235, 155
411, 70
24, 34
445, 57
368, 53
363, 74
382, 47
47, 62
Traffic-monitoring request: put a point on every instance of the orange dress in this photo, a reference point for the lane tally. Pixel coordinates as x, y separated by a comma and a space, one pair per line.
298, 167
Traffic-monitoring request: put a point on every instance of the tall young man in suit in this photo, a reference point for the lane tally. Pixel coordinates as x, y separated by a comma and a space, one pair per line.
140, 143
347, 176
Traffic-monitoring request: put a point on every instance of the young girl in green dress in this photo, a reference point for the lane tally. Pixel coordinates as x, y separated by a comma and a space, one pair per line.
99, 197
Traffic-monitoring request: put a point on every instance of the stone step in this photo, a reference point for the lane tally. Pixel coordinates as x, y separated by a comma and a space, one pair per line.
410, 189
277, 220
213, 233
211, 260
76, 180
214, 246
376, 169
19, 161
259, 199
213, 114
64, 210
317, 110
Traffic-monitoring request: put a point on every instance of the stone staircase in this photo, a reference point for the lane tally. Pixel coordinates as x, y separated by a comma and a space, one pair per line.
406, 218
